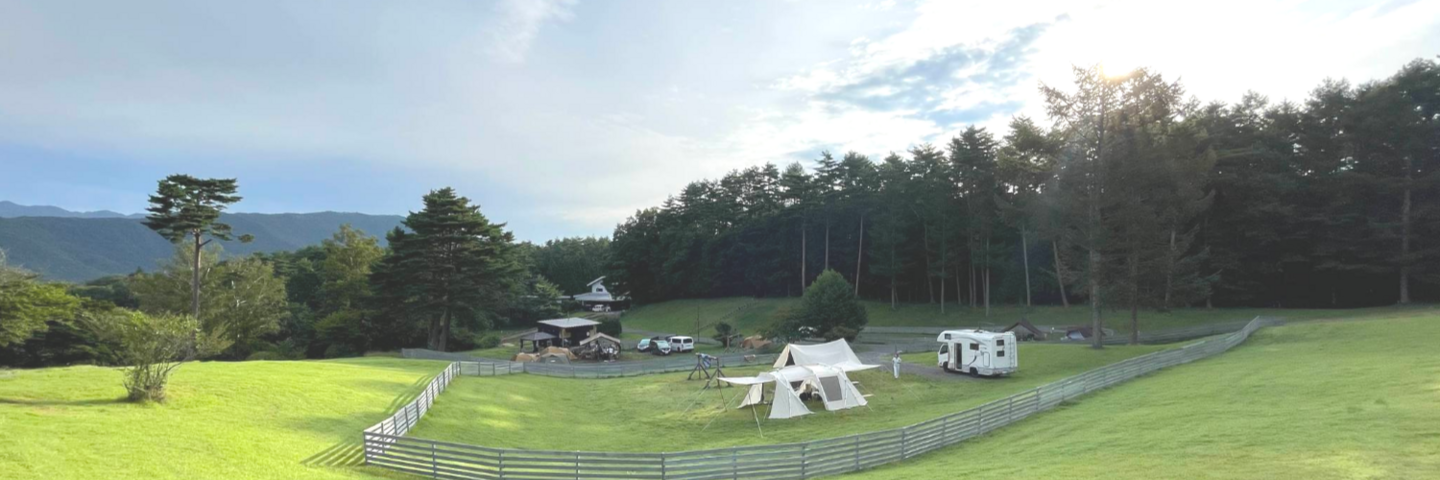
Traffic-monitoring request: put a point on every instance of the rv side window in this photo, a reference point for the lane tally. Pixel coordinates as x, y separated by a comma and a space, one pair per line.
975, 346
999, 353
1000, 342
944, 348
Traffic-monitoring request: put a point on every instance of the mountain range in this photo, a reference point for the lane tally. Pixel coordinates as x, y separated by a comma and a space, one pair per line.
79, 246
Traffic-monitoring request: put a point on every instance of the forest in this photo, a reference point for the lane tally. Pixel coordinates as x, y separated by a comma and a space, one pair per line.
1129, 195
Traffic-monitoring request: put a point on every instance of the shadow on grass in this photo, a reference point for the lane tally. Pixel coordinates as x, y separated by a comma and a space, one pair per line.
348, 452
59, 403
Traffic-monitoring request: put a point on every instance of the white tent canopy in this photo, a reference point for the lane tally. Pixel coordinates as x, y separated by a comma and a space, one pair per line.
820, 369
834, 354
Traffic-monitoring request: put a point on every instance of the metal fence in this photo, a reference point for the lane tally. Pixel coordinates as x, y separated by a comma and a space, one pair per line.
385, 446
489, 367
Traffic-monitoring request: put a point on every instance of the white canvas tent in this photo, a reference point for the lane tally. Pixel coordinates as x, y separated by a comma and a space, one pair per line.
807, 368
834, 354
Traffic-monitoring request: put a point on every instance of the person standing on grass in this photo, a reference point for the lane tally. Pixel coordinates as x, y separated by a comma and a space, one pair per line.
896, 362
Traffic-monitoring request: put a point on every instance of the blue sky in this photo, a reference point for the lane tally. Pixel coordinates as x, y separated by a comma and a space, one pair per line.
563, 117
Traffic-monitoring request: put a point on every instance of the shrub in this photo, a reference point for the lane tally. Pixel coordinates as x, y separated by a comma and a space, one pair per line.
489, 340
828, 303
153, 346
336, 350
611, 327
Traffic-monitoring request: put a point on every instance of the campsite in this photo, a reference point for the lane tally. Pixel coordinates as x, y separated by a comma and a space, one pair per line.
719, 240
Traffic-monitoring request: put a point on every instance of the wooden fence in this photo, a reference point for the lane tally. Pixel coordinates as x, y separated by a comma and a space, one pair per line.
387, 447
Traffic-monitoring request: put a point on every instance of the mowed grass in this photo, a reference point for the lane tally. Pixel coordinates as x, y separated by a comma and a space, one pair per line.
1354, 399
648, 413
749, 315
242, 420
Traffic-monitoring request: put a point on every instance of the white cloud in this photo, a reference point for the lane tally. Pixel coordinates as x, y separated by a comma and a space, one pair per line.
518, 22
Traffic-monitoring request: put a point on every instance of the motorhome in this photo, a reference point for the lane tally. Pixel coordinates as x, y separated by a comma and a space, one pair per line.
978, 352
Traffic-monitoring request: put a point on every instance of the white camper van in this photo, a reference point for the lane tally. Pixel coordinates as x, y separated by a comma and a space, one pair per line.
978, 352
681, 343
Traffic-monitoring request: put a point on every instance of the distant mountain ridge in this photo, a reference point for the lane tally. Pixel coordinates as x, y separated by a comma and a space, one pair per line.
76, 248
10, 209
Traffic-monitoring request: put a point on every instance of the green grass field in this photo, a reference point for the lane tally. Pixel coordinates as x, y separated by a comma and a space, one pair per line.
648, 413
749, 315
1354, 399
241, 420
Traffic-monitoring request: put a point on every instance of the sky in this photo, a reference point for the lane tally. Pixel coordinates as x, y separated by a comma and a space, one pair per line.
563, 117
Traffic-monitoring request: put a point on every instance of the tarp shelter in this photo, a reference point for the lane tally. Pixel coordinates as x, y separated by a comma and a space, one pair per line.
1024, 330
834, 354
535, 339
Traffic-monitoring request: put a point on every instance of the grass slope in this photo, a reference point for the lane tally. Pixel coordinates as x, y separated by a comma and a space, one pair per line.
1319, 400
648, 413
750, 314
250, 420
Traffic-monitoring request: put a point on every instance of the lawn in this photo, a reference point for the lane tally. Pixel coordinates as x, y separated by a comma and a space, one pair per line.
1351, 399
750, 314
251, 420
648, 413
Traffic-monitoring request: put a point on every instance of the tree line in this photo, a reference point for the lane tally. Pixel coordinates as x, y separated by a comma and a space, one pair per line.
447, 279
1129, 195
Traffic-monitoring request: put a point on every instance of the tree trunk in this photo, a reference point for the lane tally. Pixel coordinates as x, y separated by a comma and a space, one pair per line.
1169, 273
972, 282
195, 278
1135, 299
1097, 330
959, 294
803, 252
1059, 273
827, 243
1025, 255
1405, 237
860, 255
929, 280
987, 276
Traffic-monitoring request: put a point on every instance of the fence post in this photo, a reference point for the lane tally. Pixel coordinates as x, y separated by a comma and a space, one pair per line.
662, 466
734, 463
857, 448
805, 460
904, 442
500, 470
577, 465
434, 471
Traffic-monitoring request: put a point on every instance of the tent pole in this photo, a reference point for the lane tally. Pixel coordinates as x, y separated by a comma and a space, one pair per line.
757, 421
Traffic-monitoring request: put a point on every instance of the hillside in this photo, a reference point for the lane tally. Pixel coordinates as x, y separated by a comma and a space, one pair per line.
80, 249
10, 209
1316, 400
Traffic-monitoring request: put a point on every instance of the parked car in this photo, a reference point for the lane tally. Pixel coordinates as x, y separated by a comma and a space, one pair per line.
681, 343
661, 347
645, 345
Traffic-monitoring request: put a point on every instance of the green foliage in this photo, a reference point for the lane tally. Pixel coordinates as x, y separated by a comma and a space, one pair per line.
27, 306
153, 346
536, 299
611, 327
569, 262
452, 267
270, 355
246, 300
489, 340
724, 332
828, 307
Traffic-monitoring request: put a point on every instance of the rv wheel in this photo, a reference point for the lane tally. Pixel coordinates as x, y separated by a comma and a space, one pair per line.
974, 372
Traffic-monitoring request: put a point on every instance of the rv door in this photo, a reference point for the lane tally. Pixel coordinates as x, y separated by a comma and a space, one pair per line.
944, 356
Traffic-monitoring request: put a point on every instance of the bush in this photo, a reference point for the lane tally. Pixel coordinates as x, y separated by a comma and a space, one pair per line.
153, 346
267, 355
489, 340
611, 327
828, 303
